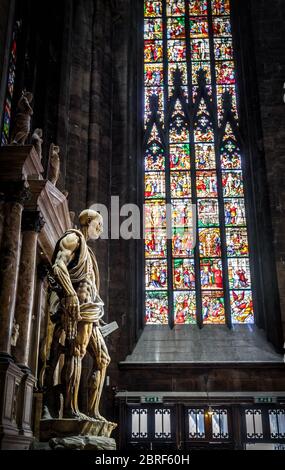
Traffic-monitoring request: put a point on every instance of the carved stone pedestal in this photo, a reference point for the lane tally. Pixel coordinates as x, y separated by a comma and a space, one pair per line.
78, 434
10, 379
25, 403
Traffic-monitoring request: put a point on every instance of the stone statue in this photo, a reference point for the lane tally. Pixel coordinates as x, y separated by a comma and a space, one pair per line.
22, 126
37, 141
78, 311
54, 164
15, 333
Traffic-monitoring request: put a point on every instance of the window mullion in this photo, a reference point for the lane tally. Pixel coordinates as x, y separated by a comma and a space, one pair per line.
167, 172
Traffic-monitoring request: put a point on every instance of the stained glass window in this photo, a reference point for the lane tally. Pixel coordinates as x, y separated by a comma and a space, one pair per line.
10, 91
199, 270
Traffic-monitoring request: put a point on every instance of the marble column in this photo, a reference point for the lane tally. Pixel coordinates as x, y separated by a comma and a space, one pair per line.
9, 255
39, 312
32, 224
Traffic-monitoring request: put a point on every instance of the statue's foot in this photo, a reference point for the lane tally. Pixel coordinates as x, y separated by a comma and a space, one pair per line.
98, 417
69, 414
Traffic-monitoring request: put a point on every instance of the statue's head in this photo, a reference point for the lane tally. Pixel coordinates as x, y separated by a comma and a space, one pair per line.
56, 149
91, 223
28, 95
39, 132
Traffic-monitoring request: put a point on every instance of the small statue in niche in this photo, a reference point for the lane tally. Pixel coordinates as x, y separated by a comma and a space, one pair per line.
54, 164
37, 141
22, 126
15, 333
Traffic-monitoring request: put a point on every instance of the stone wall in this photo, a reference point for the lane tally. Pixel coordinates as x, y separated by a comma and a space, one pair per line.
6, 17
268, 27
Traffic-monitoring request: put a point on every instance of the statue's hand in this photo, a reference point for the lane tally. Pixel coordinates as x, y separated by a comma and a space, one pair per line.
72, 316
72, 307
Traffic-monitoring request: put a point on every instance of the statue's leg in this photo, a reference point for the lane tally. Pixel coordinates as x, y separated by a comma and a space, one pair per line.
55, 351
101, 359
51, 406
73, 360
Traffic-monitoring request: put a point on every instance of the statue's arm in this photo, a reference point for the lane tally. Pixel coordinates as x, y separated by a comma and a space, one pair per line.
65, 255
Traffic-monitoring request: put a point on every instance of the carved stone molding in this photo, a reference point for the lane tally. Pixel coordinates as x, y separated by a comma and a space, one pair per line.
55, 211
16, 192
18, 162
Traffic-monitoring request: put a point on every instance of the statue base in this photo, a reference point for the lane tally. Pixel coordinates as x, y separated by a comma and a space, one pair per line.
78, 434
83, 443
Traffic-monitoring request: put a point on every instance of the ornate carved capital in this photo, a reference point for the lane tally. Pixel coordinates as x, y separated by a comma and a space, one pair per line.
15, 192
32, 221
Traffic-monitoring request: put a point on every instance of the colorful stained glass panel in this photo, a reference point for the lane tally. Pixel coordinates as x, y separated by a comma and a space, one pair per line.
198, 7
203, 130
235, 212
206, 184
154, 185
182, 242
200, 49
153, 51
182, 213
208, 213
155, 243
196, 67
153, 75
185, 308
237, 242
152, 8
153, 28
211, 274
156, 275
180, 184
205, 156
184, 274
175, 7
176, 50
176, 28
239, 273
156, 308
242, 307
222, 27
155, 215
225, 73
213, 308
199, 28
154, 158
178, 129
179, 156
230, 157
232, 183
210, 242
223, 49
221, 7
